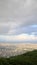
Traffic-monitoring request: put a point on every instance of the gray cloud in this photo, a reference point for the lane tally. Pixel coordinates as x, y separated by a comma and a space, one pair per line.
17, 8
17, 14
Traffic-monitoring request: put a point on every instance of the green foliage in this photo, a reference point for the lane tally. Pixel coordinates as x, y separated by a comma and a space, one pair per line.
29, 58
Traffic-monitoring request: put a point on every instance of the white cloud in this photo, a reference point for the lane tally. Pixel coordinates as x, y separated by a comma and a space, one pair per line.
21, 37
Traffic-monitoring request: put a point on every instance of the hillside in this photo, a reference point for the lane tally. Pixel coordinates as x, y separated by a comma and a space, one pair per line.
29, 58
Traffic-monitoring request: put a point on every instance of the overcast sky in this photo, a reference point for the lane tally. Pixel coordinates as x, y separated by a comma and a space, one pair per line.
18, 18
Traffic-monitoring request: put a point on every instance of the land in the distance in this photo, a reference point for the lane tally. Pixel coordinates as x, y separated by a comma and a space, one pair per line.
11, 49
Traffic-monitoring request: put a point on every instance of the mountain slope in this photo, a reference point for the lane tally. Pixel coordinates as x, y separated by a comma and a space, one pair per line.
29, 58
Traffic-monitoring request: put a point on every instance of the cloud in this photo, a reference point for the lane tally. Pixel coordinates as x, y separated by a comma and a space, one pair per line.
24, 29
11, 28
17, 9
17, 15
3, 28
18, 38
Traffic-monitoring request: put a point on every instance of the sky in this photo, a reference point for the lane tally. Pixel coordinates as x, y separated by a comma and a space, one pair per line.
18, 21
